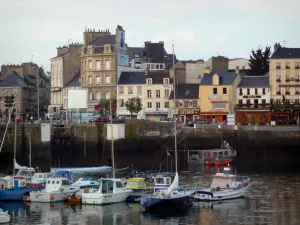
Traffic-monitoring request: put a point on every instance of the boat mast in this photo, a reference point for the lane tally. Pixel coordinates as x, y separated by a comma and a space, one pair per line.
174, 85
112, 140
15, 141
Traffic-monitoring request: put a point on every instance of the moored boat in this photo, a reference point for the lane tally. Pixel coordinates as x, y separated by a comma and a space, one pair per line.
218, 162
4, 217
224, 187
139, 187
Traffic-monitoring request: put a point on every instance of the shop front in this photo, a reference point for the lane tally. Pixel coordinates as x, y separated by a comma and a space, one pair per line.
188, 114
254, 117
156, 114
214, 116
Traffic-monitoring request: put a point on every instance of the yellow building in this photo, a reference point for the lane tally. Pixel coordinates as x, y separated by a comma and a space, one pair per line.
217, 94
284, 74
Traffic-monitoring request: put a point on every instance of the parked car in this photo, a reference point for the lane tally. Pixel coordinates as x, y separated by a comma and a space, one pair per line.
104, 119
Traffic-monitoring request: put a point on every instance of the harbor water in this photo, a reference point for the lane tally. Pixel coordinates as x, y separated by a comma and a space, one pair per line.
271, 199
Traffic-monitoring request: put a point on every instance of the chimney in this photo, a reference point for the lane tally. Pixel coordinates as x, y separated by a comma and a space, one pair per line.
277, 46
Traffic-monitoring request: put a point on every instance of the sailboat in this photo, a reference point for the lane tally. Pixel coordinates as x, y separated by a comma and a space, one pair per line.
111, 190
171, 198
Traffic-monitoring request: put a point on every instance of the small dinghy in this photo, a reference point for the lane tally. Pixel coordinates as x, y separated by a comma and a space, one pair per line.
224, 186
4, 217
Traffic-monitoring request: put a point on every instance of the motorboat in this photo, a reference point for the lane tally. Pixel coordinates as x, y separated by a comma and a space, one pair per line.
224, 186
4, 217
218, 162
111, 190
40, 178
55, 191
140, 187
19, 190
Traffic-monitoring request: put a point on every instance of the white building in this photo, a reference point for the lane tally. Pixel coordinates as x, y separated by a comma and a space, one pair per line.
238, 64
253, 91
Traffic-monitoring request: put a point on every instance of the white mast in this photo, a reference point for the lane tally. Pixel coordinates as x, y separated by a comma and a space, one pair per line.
174, 84
112, 140
15, 141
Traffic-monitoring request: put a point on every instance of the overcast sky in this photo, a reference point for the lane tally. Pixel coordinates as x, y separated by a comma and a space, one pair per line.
198, 28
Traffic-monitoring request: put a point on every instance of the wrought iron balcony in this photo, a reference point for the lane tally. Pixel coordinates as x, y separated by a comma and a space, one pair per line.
278, 93
287, 67
287, 79
287, 93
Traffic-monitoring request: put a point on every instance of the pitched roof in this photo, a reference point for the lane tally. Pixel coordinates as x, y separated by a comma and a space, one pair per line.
225, 78
104, 39
158, 76
254, 82
132, 78
286, 53
186, 91
75, 81
13, 80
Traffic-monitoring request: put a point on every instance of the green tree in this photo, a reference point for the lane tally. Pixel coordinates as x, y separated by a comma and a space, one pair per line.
133, 105
259, 60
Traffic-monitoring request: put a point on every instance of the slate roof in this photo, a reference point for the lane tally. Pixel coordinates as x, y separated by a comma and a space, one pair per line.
254, 82
286, 53
104, 39
132, 78
225, 78
132, 51
13, 80
158, 76
186, 91
75, 81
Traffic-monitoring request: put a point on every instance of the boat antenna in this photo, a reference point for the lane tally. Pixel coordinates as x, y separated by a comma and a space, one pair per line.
175, 115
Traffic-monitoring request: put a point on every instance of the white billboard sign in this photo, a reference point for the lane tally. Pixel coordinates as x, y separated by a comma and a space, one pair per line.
77, 99
45, 132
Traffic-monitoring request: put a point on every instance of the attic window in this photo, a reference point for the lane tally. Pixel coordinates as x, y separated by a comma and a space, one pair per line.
149, 81
166, 80
187, 92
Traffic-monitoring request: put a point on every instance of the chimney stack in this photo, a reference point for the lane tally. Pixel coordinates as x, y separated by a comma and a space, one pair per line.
277, 46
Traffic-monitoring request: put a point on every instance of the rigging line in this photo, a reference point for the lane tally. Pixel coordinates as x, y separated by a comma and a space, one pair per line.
9, 117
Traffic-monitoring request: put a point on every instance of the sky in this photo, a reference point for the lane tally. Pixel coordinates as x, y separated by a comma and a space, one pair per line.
33, 29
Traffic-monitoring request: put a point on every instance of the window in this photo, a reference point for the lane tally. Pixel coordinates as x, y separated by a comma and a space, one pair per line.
248, 91
98, 65
278, 64
157, 105
166, 80
219, 105
130, 90
121, 90
166, 104
185, 104
149, 81
157, 93
107, 64
139, 90
90, 65
264, 91
119, 184
256, 92
296, 101
98, 80
287, 65
167, 93
297, 77
107, 95
149, 105
161, 66
107, 79
224, 91
148, 93
263, 102
240, 101
121, 102
90, 95
296, 65
215, 91
195, 104
241, 91
297, 90
90, 80
98, 95
248, 102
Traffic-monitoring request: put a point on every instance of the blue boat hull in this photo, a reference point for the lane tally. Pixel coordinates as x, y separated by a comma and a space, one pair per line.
16, 194
152, 204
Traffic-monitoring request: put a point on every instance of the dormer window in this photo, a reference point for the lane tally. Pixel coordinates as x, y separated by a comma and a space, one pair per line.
216, 79
149, 80
106, 48
166, 80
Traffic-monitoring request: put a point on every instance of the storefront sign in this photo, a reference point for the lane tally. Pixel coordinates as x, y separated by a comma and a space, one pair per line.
251, 96
189, 111
215, 97
289, 85
157, 111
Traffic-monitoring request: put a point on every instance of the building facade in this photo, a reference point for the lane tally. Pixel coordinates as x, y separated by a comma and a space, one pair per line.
131, 84
238, 64
187, 102
253, 101
158, 87
284, 77
196, 69
63, 68
217, 94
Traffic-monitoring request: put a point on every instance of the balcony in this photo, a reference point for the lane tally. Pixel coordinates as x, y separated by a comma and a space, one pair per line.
287, 93
278, 80
287, 79
297, 67
261, 106
297, 93
287, 67
278, 93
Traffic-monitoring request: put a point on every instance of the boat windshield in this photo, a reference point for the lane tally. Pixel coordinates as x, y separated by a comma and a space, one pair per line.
23, 173
107, 186
219, 182
131, 183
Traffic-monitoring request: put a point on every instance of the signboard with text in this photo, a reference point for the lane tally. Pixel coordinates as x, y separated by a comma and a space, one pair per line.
215, 97
189, 111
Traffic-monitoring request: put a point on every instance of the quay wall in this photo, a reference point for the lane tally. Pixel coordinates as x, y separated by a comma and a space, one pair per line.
146, 144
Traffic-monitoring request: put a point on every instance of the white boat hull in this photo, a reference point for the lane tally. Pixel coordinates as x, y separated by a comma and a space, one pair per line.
102, 199
207, 195
47, 196
4, 217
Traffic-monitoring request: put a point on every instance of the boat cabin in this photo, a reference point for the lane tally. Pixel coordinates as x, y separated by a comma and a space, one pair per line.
40, 178
228, 181
108, 186
65, 174
161, 182
17, 182
56, 184
136, 183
